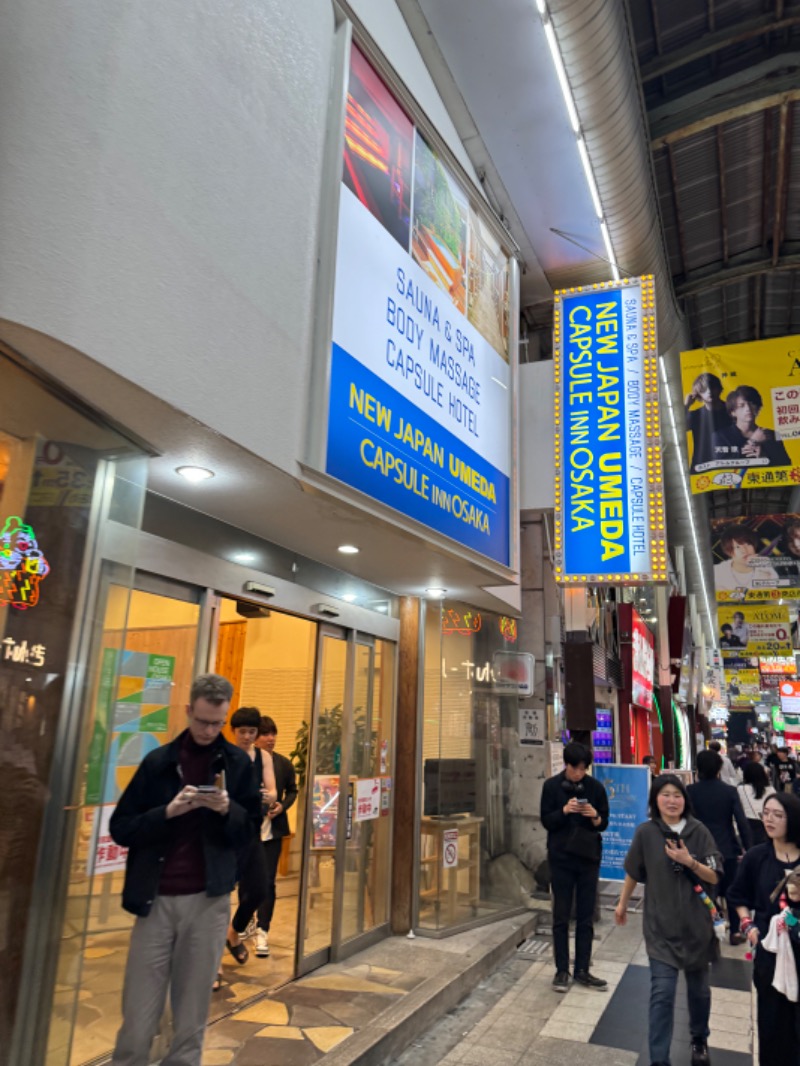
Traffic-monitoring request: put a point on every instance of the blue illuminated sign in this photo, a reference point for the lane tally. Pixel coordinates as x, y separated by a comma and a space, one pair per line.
609, 494
628, 789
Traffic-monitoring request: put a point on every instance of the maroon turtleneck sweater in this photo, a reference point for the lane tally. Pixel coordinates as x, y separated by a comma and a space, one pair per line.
184, 870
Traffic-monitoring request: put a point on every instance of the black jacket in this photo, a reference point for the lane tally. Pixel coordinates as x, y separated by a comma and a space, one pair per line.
717, 806
140, 822
286, 782
555, 794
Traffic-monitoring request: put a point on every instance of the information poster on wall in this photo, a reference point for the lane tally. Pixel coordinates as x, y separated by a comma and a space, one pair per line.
144, 692
628, 788
742, 406
419, 412
106, 856
325, 810
532, 726
609, 496
368, 799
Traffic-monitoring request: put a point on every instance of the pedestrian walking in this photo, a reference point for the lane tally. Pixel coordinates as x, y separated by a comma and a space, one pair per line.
574, 811
719, 808
754, 791
674, 855
756, 893
189, 809
245, 723
275, 828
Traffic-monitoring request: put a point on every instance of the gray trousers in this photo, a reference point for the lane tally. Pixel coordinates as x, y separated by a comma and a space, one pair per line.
178, 946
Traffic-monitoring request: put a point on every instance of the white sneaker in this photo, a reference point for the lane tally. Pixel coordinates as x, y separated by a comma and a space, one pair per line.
262, 944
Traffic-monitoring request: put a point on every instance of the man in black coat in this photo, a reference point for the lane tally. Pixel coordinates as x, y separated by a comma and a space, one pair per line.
286, 783
574, 812
718, 807
191, 806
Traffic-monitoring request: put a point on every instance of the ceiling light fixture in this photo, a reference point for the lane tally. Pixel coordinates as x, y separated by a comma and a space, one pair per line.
244, 557
348, 549
349, 597
575, 123
194, 474
436, 593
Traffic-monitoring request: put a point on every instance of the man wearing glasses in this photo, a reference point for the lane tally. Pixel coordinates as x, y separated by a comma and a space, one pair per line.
190, 807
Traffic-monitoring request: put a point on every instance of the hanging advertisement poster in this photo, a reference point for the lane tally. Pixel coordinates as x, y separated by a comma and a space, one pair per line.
368, 798
742, 405
753, 630
628, 788
642, 664
744, 687
609, 494
756, 558
420, 398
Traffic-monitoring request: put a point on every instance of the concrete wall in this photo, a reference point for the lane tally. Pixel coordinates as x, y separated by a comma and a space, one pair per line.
536, 435
529, 767
160, 177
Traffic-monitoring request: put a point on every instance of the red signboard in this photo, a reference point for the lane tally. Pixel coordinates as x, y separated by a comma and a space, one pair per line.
643, 662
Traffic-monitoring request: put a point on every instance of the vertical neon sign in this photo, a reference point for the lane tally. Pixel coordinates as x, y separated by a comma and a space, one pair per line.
22, 565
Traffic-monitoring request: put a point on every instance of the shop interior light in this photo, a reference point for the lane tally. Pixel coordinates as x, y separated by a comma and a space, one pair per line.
574, 121
349, 597
194, 474
348, 549
244, 558
436, 593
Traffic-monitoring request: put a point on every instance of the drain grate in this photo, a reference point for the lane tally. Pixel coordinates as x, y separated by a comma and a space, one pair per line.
534, 947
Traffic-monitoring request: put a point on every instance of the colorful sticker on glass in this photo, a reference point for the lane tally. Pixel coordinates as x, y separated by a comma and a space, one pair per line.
22, 565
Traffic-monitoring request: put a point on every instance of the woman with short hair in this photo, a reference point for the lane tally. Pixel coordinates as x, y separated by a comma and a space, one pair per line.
675, 857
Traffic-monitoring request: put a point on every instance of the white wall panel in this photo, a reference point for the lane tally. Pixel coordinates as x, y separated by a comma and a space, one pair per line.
160, 170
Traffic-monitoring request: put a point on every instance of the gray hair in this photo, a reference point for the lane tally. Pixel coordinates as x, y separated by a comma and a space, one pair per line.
211, 687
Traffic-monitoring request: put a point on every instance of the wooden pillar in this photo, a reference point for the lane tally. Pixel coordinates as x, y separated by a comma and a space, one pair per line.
406, 818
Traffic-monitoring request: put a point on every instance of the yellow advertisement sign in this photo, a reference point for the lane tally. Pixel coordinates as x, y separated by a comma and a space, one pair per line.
754, 630
742, 405
744, 688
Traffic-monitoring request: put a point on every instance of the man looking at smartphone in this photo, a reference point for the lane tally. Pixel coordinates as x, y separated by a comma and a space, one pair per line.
189, 808
574, 812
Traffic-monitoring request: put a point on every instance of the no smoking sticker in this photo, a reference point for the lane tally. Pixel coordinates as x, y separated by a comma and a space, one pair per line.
450, 849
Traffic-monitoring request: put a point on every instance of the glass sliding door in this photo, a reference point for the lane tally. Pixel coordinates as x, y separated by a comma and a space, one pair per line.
324, 801
144, 664
365, 902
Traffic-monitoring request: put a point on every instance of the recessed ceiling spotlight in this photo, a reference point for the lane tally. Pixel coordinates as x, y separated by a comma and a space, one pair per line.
436, 593
244, 557
194, 474
349, 549
349, 597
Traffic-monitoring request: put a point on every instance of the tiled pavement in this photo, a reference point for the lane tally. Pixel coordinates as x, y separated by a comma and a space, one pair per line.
534, 1026
343, 1006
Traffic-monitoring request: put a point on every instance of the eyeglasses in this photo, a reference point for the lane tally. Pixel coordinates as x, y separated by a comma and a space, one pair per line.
208, 725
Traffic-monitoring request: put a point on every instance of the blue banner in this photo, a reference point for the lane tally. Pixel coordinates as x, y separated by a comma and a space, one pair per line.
385, 446
628, 788
608, 492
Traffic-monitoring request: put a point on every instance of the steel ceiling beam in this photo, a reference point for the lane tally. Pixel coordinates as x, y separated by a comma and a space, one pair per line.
730, 274
784, 147
723, 194
714, 42
747, 92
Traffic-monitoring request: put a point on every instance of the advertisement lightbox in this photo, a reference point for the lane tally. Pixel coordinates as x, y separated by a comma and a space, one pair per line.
419, 413
609, 493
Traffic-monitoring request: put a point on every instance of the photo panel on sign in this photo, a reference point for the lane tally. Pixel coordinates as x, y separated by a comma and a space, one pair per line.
743, 414
756, 558
419, 404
